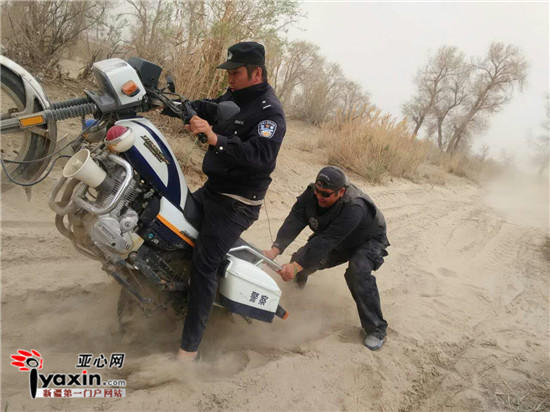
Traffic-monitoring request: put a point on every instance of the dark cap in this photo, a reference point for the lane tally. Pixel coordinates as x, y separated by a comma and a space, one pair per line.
243, 53
331, 177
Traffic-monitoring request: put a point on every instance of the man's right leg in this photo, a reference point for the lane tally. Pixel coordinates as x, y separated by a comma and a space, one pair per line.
216, 237
363, 288
220, 229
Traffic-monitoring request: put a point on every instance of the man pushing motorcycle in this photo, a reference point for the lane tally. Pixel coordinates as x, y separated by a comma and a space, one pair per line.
241, 155
347, 227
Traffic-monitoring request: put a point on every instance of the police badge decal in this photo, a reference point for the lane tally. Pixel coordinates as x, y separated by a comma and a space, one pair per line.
266, 128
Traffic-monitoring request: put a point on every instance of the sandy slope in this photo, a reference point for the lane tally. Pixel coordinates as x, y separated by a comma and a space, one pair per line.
465, 292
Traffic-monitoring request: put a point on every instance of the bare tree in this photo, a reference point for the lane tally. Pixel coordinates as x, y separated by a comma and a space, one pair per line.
430, 82
154, 28
275, 55
455, 98
298, 62
494, 79
353, 101
319, 96
454, 94
36, 33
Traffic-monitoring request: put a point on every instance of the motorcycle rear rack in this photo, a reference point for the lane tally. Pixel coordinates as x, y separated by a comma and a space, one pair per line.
257, 254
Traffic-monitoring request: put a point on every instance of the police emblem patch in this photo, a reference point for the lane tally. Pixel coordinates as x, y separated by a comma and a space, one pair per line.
313, 223
266, 128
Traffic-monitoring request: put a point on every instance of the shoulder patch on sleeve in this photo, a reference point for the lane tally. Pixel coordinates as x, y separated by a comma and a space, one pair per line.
266, 128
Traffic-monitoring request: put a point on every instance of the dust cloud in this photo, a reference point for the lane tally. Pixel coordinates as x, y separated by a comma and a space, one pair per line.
520, 198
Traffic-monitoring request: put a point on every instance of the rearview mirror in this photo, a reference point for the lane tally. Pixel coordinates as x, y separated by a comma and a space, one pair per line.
171, 84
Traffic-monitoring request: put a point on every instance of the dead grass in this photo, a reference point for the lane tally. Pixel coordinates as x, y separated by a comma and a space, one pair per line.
531, 397
374, 146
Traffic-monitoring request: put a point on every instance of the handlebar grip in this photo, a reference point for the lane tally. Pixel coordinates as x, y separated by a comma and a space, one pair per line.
202, 137
190, 113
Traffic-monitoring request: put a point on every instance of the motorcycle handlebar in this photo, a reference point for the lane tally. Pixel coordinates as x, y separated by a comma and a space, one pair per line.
191, 112
186, 114
61, 111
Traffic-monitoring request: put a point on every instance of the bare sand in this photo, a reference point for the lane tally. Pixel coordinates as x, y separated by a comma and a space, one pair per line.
465, 291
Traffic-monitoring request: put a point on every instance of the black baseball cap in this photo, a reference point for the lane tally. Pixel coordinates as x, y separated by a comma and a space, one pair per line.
331, 177
243, 53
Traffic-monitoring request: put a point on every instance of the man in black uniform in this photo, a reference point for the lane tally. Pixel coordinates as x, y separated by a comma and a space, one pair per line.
241, 156
347, 227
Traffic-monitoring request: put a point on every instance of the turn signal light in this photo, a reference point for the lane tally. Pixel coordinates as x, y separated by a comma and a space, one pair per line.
130, 88
32, 120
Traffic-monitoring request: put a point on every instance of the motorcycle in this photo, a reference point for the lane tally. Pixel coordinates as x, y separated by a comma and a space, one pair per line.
122, 198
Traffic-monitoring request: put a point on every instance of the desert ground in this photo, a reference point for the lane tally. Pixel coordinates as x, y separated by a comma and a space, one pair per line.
465, 290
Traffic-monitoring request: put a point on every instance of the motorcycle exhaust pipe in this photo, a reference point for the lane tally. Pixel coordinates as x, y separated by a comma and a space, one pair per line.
81, 166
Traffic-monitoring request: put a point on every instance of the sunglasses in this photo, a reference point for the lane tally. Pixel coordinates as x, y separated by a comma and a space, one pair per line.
323, 193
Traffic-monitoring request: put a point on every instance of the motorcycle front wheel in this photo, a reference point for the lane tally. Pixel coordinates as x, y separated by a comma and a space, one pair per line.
23, 145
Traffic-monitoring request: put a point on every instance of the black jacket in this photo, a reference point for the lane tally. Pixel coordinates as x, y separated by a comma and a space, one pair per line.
248, 144
346, 225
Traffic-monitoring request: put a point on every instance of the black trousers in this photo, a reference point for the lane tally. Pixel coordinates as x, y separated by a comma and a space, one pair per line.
361, 282
224, 219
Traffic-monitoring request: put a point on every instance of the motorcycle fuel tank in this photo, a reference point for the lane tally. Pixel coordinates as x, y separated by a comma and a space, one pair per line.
155, 162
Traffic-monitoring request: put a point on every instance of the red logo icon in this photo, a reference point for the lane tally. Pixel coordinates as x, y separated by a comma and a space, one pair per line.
25, 360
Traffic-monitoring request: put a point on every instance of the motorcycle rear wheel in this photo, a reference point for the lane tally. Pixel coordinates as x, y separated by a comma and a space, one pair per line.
23, 145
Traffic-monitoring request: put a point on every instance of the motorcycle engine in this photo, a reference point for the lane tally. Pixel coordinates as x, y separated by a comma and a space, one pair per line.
113, 232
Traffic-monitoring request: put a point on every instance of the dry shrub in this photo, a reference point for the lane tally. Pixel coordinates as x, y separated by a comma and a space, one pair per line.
469, 166
374, 145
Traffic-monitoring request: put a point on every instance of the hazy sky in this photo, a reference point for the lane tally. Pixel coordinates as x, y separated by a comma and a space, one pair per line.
381, 45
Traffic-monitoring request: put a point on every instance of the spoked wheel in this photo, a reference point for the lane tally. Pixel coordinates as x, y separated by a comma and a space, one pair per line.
27, 144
